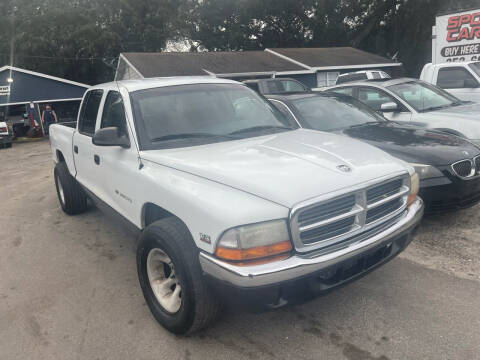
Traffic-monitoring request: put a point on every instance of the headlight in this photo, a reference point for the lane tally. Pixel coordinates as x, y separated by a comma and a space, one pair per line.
414, 187
267, 241
426, 171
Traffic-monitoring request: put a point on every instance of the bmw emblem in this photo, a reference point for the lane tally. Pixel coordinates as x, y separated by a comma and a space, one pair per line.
344, 168
465, 153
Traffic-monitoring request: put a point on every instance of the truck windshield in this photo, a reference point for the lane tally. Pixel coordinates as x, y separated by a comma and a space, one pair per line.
424, 97
475, 67
328, 113
186, 115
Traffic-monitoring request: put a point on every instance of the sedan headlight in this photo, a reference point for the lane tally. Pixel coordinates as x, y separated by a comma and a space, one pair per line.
426, 171
264, 242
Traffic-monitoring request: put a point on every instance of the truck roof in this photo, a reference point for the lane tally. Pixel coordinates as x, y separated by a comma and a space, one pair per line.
134, 85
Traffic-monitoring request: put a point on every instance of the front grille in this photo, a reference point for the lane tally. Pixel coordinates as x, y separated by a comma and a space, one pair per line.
330, 222
464, 168
477, 164
383, 210
327, 210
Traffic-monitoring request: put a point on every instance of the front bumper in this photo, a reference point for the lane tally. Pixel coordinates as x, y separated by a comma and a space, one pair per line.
442, 195
390, 242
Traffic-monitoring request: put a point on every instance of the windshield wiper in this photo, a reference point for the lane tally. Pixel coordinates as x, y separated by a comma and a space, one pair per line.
440, 107
260, 128
188, 136
363, 124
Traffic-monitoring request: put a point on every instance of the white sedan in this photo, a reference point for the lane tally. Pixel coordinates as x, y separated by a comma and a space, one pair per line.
418, 103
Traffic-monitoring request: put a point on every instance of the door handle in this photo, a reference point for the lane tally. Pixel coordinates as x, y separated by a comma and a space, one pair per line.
75, 148
96, 158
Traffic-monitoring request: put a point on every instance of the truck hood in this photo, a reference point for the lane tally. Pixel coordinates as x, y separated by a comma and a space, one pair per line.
414, 144
285, 168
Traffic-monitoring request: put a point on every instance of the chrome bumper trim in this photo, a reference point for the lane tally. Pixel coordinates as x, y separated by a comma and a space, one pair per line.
297, 266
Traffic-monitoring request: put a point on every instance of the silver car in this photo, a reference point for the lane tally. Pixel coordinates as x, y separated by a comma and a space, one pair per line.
418, 103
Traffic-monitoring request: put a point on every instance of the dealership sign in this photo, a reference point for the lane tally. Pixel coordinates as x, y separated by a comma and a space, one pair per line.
4, 90
456, 37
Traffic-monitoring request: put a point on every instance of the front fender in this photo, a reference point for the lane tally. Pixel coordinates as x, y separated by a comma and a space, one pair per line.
206, 207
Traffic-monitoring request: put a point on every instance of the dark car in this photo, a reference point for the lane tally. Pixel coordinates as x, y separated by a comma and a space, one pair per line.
276, 86
448, 165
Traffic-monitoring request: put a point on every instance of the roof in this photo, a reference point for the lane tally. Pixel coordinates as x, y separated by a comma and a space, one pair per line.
332, 57
376, 83
134, 85
208, 63
13, 68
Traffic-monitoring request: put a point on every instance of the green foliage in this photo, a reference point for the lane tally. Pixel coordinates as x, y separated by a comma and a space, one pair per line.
81, 39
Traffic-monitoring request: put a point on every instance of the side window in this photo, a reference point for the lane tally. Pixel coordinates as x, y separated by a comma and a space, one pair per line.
114, 112
327, 78
345, 91
375, 98
89, 111
293, 86
275, 87
254, 86
285, 111
455, 78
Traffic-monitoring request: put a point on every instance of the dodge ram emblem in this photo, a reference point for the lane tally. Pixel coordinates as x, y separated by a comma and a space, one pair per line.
465, 153
344, 168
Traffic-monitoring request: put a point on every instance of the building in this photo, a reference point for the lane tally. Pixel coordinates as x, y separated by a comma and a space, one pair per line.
27, 92
315, 67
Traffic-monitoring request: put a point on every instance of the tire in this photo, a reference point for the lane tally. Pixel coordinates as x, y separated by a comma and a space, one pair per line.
8, 145
198, 307
74, 200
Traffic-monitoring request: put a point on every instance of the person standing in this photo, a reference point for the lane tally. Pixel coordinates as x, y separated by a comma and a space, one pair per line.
48, 118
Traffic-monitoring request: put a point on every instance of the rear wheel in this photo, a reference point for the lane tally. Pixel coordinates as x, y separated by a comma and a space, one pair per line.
71, 196
171, 278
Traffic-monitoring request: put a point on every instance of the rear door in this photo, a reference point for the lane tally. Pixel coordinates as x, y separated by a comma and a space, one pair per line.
83, 149
460, 82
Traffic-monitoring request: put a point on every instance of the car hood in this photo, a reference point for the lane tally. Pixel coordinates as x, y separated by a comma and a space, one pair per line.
464, 119
285, 168
414, 144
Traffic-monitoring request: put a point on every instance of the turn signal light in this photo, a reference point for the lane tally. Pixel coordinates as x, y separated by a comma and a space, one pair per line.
267, 252
414, 187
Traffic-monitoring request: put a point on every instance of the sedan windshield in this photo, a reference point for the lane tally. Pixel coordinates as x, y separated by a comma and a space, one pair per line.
424, 97
475, 67
328, 113
186, 115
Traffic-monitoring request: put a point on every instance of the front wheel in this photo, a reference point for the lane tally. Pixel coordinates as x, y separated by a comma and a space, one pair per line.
171, 278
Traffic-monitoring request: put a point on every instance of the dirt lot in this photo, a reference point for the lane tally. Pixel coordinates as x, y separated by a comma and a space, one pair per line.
69, 290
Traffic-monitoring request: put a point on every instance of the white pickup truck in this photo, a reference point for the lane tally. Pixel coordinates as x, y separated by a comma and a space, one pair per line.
226, 196
461, 79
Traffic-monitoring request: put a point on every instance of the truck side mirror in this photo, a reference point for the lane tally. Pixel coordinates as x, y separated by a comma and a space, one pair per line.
110, 136
389, 107
470, 83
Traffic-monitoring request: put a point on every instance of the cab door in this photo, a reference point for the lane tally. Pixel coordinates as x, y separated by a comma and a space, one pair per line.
118, 168
83, 152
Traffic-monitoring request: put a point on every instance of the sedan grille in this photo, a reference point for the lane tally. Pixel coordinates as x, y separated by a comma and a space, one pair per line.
320, 225
464, 168
477, 164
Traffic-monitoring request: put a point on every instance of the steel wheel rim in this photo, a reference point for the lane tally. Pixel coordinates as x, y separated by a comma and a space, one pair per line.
60, 191
163, 282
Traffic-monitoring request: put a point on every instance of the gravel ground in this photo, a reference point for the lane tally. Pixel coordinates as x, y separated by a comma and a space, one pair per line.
69, 290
